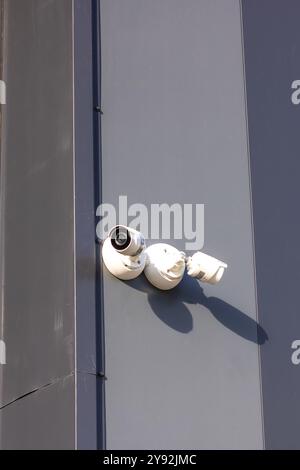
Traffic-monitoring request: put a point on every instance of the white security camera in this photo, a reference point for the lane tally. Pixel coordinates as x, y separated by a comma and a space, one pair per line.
123, 252
205, 267
126, 240
165, 266
125, 255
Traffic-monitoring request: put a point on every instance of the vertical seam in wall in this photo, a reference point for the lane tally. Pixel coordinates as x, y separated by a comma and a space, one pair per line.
95, 187
3, 71
74, 232
97, 145
2, 166
2, 197
251, 212
2, 179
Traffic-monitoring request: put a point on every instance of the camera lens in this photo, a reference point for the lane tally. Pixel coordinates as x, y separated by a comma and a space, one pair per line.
120, 238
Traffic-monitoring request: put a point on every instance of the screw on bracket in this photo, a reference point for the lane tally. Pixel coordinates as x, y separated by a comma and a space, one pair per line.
98, 109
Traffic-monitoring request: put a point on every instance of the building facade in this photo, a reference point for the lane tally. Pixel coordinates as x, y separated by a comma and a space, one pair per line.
168, 101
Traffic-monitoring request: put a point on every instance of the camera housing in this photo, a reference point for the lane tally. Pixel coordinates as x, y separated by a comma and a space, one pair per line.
165, 266
126, 240
123, 252
205, 267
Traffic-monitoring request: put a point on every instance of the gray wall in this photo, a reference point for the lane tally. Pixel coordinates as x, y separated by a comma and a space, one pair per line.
182, 367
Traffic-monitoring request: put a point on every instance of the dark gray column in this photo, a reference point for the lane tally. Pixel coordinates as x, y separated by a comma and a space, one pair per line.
37, 223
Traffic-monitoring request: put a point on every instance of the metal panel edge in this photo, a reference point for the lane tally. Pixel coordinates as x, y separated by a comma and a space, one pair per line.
89, 327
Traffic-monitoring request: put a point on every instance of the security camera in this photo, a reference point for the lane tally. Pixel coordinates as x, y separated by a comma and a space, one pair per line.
123, 252
205, 267
126, 240
165, 266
